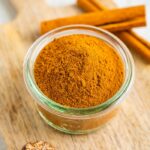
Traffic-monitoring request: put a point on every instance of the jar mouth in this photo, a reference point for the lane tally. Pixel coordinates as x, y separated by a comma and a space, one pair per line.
42, 99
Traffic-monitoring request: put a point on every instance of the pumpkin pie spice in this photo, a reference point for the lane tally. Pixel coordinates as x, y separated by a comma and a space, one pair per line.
78, 71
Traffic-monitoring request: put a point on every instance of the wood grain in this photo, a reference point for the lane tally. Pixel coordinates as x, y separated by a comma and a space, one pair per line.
19, 120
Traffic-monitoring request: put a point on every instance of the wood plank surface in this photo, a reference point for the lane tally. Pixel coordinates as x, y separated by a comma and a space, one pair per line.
19, 120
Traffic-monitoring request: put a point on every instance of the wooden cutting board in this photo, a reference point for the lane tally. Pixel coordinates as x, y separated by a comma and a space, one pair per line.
19, 120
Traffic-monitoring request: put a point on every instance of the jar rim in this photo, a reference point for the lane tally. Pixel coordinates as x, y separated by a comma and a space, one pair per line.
42, 99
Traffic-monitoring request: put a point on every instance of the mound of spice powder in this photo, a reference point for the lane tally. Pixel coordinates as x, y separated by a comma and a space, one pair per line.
79, 71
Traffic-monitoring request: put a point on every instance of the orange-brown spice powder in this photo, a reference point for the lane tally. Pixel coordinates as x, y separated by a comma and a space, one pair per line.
79, 71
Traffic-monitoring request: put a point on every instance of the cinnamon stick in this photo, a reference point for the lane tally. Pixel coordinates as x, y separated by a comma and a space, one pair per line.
139, 47
89, 6
138, 44
97, 4
137, 22
94, 5
96, 18
143, 41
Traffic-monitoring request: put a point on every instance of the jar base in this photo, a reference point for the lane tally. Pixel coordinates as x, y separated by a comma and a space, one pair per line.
64, 130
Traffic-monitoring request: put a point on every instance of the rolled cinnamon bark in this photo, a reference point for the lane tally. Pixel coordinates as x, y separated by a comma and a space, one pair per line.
97, 4
134, 43
96, 18
137, 22
139, 38
89, 6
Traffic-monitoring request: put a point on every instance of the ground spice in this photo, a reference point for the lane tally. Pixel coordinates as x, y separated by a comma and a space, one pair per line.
78, 71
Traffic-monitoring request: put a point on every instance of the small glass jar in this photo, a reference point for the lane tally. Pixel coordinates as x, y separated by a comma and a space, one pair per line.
77, 120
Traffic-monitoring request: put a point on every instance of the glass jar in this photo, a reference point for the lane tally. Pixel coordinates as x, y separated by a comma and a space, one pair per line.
77, 120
